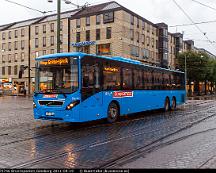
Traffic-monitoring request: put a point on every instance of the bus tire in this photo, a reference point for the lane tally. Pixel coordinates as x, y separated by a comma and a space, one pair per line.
173, 104
112, 112
167, 105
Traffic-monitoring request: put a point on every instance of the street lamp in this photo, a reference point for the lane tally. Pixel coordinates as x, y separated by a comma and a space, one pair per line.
58, 23
59, 18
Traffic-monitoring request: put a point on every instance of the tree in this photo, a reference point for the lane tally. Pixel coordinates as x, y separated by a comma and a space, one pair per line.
197, 67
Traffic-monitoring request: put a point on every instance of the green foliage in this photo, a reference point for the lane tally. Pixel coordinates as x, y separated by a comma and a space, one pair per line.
200, 67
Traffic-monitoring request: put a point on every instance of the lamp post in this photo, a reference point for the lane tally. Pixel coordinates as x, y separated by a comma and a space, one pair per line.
58, 23
59, 20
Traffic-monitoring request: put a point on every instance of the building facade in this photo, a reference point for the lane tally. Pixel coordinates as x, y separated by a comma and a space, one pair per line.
106, 29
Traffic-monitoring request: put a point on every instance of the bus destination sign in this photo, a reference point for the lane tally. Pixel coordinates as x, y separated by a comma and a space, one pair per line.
60, 61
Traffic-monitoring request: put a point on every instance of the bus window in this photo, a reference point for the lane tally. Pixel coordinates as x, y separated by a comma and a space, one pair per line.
90, 78
138, 79
127, 79
147, 79
112, 77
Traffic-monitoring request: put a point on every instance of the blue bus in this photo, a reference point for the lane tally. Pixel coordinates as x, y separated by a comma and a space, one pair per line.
79, 87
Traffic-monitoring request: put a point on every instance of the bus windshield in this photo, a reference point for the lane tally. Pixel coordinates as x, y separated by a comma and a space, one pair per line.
57, 76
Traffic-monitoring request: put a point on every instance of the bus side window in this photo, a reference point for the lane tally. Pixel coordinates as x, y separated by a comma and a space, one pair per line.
90, 77
127, 79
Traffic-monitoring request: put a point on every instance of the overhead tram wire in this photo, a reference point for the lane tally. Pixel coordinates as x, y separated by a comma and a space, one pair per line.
190, 24
203, 33
204, 5
30, 8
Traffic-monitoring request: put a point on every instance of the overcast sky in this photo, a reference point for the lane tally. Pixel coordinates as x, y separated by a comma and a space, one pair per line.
154, 10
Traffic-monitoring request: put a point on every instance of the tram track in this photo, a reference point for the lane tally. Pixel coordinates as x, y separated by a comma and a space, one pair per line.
152, 147
110, 140
80, 129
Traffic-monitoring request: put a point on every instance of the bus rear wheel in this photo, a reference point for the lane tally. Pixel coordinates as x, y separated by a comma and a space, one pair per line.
113, 112
173, 104
166, 105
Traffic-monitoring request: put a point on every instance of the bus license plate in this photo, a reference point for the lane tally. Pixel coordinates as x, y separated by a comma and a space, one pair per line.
50, 113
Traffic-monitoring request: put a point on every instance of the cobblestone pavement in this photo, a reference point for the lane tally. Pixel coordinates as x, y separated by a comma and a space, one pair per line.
26, 143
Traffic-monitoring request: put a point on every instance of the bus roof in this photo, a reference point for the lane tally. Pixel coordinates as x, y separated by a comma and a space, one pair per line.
116, 58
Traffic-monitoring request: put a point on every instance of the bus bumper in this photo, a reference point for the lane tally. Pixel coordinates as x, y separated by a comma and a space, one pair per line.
57, 115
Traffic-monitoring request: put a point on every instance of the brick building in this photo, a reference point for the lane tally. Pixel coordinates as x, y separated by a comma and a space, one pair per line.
106, 29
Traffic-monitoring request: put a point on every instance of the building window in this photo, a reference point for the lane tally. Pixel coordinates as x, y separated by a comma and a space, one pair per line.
148, 40
22, 32
52, 40
137, 36
9, 70
61, 26
157, 44
78, 37
52, 51
3, 70
143, 25
9, 35
109, 33
137, 22
143, 39
36, 30
132, 34
44, 41
15, 69
9, 46
97, 34
104, 49
16, 45
52, 27
22, 44
78, 23
61, 38
88, 21
3, 36
98, 19
22, 56
9, 58
44, 52
16, 33
3, 58
132, 19
152, 42
36, 42
44, 28
88, 35
134, 51
145, 53
108, 17
148, 27
15, 57
3, 46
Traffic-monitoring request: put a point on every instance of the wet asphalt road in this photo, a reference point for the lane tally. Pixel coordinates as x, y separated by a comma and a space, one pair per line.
185, 138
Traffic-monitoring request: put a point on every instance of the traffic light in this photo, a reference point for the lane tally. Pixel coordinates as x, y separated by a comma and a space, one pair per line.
21, 71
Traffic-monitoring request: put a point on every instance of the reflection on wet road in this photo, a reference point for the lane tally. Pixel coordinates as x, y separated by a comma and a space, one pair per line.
26, 143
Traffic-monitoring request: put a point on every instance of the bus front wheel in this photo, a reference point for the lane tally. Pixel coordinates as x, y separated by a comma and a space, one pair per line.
113, 112
166, 105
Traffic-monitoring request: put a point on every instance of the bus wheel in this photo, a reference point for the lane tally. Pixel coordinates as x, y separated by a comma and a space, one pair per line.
113, 112
173, 104
166, 105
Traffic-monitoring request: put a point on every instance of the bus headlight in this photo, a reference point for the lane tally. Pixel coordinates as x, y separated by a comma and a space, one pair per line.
72, 104
34, 105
